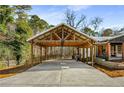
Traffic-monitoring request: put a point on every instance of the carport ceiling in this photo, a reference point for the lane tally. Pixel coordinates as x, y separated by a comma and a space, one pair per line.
62, 35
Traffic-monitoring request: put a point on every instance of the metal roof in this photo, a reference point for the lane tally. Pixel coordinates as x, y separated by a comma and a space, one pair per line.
102, 39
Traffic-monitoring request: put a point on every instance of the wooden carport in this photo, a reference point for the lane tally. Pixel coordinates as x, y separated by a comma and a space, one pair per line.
63, 36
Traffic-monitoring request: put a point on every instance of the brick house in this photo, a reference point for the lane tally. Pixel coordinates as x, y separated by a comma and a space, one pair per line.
110, 47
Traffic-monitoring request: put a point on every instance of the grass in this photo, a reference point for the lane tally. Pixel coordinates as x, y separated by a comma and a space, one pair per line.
111, 73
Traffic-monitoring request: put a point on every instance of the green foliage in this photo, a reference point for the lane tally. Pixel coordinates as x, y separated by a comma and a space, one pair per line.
37, 24
14, 16
20, 11
3, 28
16, 26
6, 14
107, 32
89, 31
23, 29
50, 26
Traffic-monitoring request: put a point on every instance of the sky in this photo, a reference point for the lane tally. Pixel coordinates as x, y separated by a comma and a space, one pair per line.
112, 15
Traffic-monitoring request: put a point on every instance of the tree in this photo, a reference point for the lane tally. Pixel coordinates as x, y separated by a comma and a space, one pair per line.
50, 26
6, 16
89, 31
5, 53
72, 20
96, 22
20, 11
81, 23
37, 24
21, 30
107, 32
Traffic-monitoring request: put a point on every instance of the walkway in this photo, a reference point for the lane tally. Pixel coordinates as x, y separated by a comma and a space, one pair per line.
58, 73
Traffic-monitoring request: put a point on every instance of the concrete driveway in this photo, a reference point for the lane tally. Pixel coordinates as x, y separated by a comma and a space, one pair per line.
58, 73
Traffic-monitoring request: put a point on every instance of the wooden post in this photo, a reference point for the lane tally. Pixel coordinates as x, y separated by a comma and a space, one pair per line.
32, 54
83, 54
78, 52
54, 53
91, 53
92, 56
87, 55
73, 51
50, 52
41, 54
94, 53
45, 53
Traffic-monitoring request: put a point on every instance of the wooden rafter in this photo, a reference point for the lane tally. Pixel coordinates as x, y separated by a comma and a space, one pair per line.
57, 35
69, 34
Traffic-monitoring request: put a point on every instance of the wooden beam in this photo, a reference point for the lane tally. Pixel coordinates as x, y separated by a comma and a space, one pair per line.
67, 36
51, 36
87, 55
83, 54
41, 54
78, 50
45, 53
94, 53
57, 36
92, 56
32, 54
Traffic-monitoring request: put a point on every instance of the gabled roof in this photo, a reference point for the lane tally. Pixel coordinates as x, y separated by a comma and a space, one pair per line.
62, 24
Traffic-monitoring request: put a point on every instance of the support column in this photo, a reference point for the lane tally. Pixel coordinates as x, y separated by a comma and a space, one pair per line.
50, 52
108, 51
32, 54
41, 54
87, 55
116, 50
83, 54
94, 53
45, 53
53, 52
123, 50
73, 51
91, 53
99, 50
92, 56
78, 52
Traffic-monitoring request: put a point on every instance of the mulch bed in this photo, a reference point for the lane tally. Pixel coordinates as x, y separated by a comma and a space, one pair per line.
111, 73
7, 75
